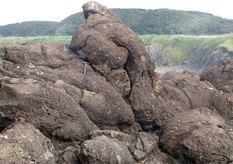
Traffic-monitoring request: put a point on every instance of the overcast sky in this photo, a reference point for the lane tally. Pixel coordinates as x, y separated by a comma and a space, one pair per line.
16, 11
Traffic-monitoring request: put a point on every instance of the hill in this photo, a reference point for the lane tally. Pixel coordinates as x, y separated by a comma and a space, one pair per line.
32, 28
160, 21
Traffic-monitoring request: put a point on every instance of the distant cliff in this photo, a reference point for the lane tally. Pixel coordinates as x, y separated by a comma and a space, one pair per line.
194, 53
160, 21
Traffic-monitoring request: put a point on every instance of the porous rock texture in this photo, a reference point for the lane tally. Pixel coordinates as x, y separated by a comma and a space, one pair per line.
221, 76
99, 100
23, 143
199, 135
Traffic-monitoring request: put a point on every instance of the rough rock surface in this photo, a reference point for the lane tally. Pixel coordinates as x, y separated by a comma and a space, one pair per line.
100, 101
104, 150
143, 147
221, 75
179, 92
25, 144
199, 135
108, 44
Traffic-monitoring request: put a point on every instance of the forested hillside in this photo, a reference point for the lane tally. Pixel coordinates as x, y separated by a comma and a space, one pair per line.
32, 28
160, 21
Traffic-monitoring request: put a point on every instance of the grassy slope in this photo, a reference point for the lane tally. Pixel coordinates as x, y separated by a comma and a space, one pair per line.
33, 40
181, 47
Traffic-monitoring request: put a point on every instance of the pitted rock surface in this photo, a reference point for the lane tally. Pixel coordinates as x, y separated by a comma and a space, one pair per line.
100, 101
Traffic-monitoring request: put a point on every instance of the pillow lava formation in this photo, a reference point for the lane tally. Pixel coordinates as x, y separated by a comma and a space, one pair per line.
99, 100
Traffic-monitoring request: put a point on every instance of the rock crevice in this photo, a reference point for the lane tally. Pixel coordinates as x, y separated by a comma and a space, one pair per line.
116, 111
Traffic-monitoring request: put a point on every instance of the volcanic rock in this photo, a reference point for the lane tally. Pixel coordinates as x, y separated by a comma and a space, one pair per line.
100, 101
108, 44
143, 147
199, 135
25, 144
221, 75
180, 92
56, 114
104, 150
199, 93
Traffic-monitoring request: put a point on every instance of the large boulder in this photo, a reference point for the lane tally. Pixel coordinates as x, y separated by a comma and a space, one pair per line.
25, 144
108, 44
136, 148
56, 114
199, 93
11, 90
179, 92
104, 150
199, 135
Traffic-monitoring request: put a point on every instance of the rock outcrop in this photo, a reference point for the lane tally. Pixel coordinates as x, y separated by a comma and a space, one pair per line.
100, 101
25, 144
199, 135
221, 75
109, 45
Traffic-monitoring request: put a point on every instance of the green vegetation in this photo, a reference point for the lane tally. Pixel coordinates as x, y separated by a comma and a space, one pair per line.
160, 22
34, 40
181, 47
192, 52
33, 28
228, 43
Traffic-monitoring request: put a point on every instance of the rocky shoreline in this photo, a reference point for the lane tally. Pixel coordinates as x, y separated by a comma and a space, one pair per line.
100, 101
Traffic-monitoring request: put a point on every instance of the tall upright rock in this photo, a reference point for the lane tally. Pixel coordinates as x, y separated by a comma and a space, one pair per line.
109, 45
117, 53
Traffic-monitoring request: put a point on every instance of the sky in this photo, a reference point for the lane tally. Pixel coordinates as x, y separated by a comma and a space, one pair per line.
16, 11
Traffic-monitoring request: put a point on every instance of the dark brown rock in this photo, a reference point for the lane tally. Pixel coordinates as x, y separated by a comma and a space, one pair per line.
106, 108
104, 54
25, 144
52, 55
122, 43
22, 54
111, 112
180, 92
221, 75
199, 93
109, 83
71, 90
56, 55
11, 90
119, 79
56, 114
198, 135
